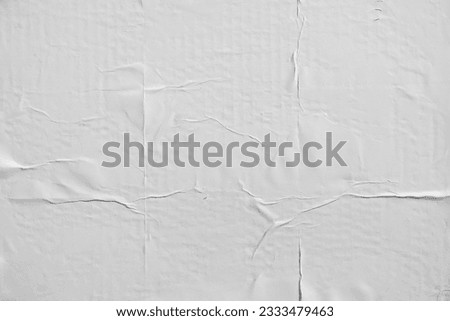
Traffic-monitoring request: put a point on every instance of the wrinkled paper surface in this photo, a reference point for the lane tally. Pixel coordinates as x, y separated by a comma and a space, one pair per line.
76, 74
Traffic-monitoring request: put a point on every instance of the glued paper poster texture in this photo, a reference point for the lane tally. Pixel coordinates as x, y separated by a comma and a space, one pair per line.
307, 146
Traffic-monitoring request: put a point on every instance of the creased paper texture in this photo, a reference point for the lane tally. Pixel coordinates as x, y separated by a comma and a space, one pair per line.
77, 74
